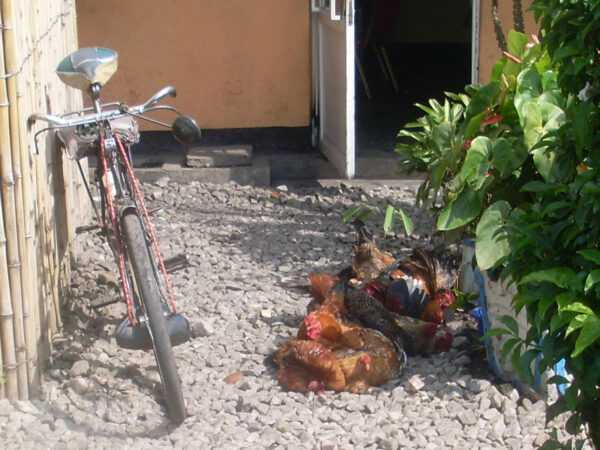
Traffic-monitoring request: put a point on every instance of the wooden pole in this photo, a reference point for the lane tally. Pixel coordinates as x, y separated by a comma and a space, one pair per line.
9, 359
11, 190
15, 94
6, 311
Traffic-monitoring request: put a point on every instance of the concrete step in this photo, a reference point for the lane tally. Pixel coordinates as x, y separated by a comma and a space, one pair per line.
239, 163
219, 156
256, 174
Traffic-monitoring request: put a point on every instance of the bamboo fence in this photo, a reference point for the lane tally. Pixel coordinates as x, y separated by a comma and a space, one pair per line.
39, 194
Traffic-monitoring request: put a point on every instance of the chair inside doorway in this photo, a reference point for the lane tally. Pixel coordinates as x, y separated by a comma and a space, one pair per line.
380, 17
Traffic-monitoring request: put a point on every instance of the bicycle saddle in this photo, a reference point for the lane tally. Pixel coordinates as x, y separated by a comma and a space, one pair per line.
87, 66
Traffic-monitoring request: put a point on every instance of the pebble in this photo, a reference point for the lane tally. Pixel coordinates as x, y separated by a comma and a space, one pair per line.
240, 242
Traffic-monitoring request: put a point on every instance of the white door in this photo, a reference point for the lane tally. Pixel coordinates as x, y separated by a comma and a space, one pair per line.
333, 82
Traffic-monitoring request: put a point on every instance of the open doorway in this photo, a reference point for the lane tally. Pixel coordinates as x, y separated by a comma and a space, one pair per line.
428, 46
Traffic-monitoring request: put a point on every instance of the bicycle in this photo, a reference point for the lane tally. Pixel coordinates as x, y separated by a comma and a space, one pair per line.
107, 131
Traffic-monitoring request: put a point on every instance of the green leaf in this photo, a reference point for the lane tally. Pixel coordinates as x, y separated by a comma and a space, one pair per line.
474, 124
544, 161
571, 395
591, 255
522, 364
406, 221
351, 213
559, 276
517, 43
576, 323
592, 279
511, 323
508, 346
477, 157
505, 157
529, 87
577, 307
564, 52
364, 215
462, 210
494, 332
388, 222
441, 138
491, 243
554, 206
533, 128
558, 379
537, 186
589, 334
484, 98
559, 320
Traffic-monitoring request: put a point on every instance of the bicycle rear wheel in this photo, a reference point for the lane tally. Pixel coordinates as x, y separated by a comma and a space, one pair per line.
149, 293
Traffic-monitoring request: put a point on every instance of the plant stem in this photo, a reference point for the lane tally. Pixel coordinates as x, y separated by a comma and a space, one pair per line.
498, 27
518, 16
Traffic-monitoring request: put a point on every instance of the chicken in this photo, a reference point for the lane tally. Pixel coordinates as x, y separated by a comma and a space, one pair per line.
316, 365
415, 337
376, 362
308, 366
325, 325
320, 284
411, 287
427, 337
371, 313
369, 261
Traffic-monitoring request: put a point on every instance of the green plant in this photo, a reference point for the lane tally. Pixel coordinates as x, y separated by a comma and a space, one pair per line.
481, 147
554, 250
361, 213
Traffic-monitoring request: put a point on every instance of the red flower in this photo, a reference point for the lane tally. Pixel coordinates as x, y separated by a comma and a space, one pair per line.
581, 168
512, 58
467, 143
492, 119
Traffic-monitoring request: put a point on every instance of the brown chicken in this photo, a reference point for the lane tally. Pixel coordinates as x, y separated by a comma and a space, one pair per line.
322, 284
325, 325
308, 366
376, 362
411, 287
369, 261
311, 365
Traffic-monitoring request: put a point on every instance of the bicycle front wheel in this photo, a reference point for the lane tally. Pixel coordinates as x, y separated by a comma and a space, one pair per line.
149, 293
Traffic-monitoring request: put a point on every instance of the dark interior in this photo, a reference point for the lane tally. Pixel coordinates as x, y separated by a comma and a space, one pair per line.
428, 45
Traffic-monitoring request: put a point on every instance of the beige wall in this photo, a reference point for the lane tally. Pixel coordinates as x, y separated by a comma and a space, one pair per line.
235, 63
489, 52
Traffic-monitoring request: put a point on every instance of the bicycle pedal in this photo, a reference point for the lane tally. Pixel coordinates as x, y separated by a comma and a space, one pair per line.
137, 337
156, 210
175, 263
86, 228
101, 304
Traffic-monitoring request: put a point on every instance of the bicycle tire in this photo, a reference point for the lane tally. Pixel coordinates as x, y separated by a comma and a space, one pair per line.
147, 284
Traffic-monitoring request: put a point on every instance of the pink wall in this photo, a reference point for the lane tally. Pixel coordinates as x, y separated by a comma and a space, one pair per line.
489, 52
235, 63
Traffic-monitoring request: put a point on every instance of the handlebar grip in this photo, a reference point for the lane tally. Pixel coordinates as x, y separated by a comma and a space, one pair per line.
55, 120
169, 90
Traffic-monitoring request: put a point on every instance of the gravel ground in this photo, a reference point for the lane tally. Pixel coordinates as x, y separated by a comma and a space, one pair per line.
244, 245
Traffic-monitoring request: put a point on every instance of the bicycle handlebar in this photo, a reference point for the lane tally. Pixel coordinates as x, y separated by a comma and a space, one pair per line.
123, 110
